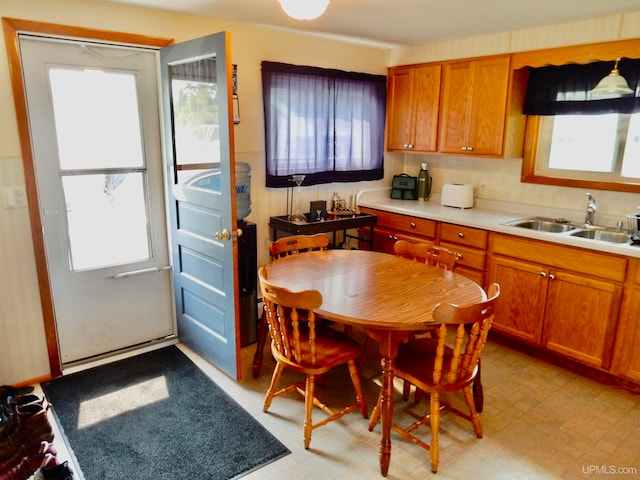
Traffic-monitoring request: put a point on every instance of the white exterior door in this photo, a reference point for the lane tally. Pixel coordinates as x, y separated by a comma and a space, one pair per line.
93, 114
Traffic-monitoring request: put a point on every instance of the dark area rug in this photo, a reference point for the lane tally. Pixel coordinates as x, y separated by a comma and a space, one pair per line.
157, 416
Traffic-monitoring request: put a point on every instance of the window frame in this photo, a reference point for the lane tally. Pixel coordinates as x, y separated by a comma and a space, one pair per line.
604, 51
530, 173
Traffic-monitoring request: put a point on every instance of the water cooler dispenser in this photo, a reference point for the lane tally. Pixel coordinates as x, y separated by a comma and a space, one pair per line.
248, 282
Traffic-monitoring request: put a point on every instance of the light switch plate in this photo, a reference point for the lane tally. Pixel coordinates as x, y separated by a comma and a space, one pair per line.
15, 197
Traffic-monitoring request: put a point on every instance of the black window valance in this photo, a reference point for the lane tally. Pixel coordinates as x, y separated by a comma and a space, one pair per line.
565, 89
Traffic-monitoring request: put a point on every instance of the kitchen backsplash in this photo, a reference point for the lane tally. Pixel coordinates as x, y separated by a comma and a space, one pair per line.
499, 180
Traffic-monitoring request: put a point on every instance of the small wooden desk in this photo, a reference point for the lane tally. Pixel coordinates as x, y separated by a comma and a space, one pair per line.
387, 296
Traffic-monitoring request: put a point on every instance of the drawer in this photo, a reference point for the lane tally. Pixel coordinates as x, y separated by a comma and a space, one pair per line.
470, 237
603, 265
638, 272
469, 257
405, 223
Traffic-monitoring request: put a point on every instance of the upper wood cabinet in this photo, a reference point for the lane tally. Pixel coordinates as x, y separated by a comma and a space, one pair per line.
412, 108
467, 107
473, 111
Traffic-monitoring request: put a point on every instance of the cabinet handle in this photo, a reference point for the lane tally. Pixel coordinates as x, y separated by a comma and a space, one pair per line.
469, 149
460, 235
464, 149
413, 225
543, 274
552, 276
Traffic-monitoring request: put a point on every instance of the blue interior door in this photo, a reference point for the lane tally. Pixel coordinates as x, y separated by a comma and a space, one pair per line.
196, 97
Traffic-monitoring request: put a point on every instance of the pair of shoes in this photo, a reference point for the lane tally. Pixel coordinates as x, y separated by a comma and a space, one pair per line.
34, 454
31, 426
61, 471
8, 410
6, 421
28, 466
10, 391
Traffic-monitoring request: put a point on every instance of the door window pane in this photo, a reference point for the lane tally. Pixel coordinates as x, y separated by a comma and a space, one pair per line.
97, 118
196, 122
107, 219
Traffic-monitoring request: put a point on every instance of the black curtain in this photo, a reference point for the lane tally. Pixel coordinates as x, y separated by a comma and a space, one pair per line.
565, 89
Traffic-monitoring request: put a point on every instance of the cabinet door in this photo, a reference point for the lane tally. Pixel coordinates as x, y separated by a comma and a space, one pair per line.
399, 117
474, 106
412, 108
457, 89
489, 106
581, 317
523, 289
383, 240
426, 98
628, 364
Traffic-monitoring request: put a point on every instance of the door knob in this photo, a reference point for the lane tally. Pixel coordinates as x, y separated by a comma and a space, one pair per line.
223, 235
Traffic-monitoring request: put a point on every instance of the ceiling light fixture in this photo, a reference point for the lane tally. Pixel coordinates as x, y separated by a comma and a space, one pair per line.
613, 85
304, 9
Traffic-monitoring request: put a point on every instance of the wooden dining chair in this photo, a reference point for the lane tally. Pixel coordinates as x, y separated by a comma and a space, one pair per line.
444, 365
277, 249
422, 252
425, 252
306, 347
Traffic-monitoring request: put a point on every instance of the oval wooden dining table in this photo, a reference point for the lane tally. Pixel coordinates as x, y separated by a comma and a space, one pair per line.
386, 295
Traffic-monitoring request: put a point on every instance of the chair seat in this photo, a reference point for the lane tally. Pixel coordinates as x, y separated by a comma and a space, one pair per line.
332, 348
416, 360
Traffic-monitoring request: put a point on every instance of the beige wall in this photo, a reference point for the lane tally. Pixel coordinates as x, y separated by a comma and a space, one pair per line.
22, 343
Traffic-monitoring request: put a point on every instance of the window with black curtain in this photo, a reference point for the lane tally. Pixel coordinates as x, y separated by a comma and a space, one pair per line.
323, 123
565, 89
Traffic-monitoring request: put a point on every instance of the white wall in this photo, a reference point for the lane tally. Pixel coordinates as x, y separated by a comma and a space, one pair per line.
24, 355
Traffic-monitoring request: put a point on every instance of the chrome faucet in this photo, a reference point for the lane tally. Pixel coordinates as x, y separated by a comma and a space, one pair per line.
591, 209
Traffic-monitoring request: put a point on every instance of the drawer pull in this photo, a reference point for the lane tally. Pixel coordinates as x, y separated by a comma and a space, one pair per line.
460, 235
413, 225
542, 274
552, 276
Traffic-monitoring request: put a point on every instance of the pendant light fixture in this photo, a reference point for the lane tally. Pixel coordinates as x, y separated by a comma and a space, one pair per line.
304, 9
613, 85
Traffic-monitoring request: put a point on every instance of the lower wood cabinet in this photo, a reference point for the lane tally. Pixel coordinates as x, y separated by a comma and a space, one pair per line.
470, 244
577, 303
563, 299
392, 227
626, 362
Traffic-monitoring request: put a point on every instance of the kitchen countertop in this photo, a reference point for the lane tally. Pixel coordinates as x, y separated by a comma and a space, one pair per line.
490, 215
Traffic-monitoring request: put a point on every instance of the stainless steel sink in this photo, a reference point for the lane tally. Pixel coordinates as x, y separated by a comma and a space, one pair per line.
543, 224
572, 229
611, 236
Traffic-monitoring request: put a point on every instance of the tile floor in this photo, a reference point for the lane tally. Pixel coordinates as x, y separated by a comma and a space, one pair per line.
540, 422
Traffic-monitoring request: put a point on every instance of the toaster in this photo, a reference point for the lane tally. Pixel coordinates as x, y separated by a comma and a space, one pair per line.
457, 195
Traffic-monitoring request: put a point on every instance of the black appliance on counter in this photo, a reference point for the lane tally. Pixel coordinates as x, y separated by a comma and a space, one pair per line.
248, 282
404, 187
